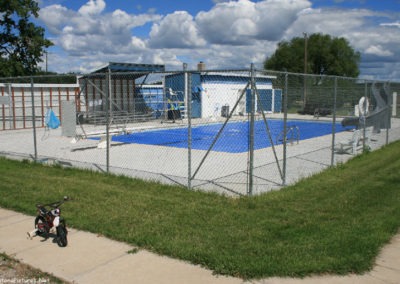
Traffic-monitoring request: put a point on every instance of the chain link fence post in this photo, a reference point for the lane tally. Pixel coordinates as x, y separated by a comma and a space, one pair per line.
188, 101
363, 119
108, 114
334, 122
34, 120
251, 131
390, 103
285, 114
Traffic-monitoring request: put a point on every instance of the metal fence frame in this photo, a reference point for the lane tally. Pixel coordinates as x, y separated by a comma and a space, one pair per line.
297, 90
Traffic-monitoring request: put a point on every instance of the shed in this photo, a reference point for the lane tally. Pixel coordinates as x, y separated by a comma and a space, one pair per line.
125, 96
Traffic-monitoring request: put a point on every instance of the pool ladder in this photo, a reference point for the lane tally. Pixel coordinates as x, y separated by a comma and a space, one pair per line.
293, 134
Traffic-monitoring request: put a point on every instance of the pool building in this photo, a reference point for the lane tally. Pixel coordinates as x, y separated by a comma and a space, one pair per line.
147, 92
215, 94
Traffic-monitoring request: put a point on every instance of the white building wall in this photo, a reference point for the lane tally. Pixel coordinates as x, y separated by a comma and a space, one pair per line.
216, 95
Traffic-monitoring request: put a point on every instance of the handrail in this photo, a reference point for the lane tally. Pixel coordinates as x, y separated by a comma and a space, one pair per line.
293, 134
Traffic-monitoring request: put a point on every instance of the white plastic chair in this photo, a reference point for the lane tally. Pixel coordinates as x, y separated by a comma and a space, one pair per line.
349, 146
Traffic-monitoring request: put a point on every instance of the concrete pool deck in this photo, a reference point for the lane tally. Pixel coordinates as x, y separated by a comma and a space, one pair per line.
226, 173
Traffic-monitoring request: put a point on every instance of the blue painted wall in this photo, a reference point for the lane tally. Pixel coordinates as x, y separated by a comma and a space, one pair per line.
176, 82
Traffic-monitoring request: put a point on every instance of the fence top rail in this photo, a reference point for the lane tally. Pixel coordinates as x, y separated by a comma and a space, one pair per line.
37, 85
265, 72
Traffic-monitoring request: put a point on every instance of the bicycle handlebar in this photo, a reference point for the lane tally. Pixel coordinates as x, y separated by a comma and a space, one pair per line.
54, 204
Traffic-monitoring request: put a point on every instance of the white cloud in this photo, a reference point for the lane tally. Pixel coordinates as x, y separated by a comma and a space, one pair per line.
395, 24
329, 21
90, 31
93, 7
56, 17
177, 30
138, 43
239, 22
276, 16
378, 50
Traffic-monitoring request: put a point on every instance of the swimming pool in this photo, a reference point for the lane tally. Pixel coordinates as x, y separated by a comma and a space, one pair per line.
233, 139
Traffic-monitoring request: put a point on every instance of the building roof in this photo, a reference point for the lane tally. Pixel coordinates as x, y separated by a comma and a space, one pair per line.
116, 67
235, 75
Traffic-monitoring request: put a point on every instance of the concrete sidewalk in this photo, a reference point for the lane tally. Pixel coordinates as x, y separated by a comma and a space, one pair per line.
89, 258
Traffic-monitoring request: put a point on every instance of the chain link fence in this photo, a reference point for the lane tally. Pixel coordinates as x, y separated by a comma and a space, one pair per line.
237, 132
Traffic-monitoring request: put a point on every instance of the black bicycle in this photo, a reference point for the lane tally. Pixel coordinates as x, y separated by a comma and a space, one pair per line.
49, 216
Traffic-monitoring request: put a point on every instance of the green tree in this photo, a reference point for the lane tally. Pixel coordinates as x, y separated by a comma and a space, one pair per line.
326, 55
22, 43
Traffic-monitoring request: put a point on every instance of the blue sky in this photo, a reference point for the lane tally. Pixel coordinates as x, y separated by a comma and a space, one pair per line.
224, 34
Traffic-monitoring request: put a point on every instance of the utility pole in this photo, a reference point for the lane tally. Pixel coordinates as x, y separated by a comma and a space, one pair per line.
305, 69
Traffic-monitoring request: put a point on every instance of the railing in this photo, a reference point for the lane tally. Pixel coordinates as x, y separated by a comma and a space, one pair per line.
292, 135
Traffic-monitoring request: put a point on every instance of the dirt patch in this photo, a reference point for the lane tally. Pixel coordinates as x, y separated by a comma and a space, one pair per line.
13, 271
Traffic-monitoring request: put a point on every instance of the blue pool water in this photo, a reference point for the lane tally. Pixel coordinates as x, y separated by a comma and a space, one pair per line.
233, 139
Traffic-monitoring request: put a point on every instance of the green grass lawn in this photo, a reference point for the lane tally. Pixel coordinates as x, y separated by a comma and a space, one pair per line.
333, 222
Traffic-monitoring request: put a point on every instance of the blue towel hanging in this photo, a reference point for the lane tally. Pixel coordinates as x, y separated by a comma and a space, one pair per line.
51, 119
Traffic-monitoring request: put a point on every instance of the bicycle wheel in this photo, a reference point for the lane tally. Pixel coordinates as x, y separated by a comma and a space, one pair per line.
42, 227
62, 240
